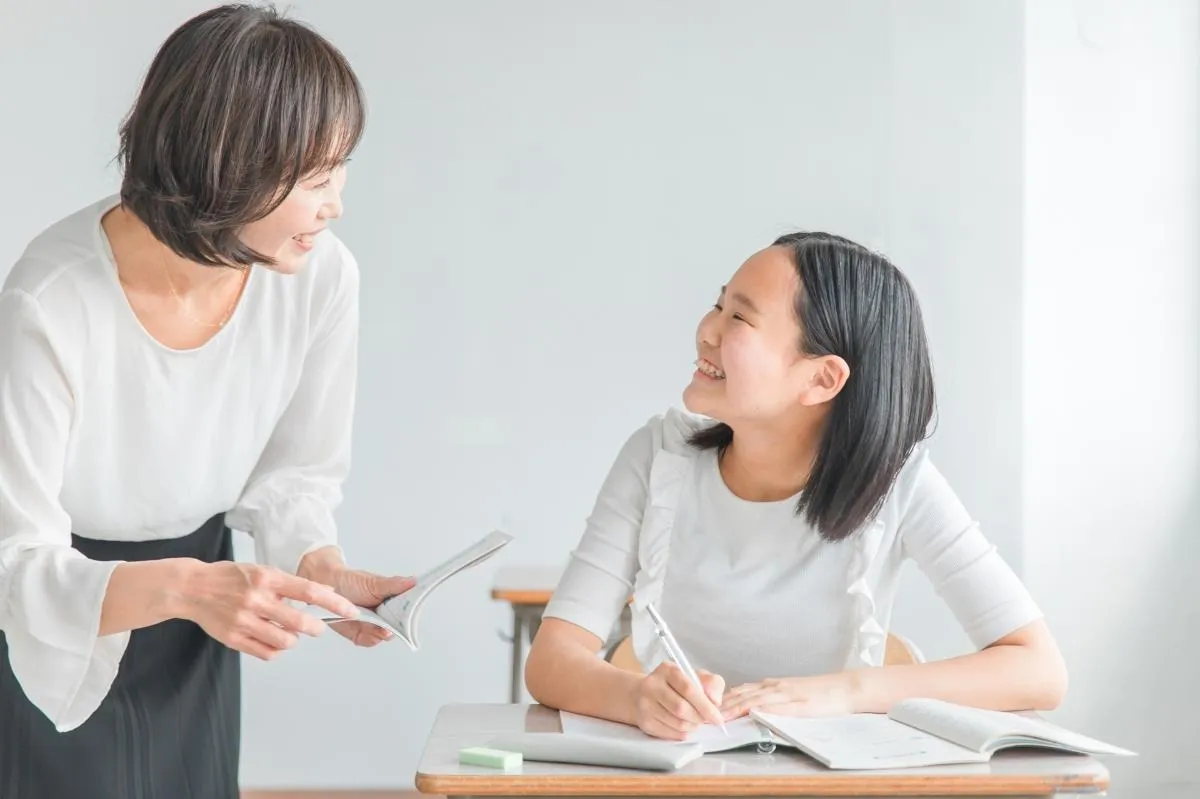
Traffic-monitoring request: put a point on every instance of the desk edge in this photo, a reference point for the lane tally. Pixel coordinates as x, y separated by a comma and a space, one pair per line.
828, 783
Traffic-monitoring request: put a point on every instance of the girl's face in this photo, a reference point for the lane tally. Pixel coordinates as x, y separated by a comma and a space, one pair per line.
750, 366
289, 231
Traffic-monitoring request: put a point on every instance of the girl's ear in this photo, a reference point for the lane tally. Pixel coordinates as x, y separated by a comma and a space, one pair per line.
827, 376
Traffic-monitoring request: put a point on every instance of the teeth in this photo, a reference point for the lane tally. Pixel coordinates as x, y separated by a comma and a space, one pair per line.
710, 370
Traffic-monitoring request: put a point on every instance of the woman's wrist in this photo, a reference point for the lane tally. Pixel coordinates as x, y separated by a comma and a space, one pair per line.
322, 565
145, 592
183, 586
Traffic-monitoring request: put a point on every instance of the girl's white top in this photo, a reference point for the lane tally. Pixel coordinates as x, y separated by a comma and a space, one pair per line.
108, 434
749, 589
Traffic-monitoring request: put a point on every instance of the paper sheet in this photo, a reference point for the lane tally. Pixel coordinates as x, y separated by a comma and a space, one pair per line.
868, 741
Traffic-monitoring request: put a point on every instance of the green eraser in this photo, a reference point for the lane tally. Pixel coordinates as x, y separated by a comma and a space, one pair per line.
492, 758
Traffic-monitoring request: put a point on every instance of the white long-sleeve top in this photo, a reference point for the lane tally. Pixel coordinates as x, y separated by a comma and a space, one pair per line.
749, 589
108, 434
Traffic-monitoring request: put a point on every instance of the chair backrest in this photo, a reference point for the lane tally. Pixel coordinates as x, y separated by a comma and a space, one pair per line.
898, 652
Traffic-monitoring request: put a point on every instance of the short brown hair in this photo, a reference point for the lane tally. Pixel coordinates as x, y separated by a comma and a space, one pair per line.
238, 105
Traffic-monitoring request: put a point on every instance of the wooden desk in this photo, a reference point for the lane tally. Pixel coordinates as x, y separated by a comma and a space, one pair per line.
744, 773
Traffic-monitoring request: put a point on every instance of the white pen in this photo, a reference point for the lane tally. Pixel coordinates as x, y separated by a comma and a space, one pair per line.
676, 654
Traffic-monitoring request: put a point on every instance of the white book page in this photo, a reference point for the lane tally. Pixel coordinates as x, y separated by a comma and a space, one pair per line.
398, 615
988, 730
867, 741
742, 732
399, 610
965, 726
1042, 732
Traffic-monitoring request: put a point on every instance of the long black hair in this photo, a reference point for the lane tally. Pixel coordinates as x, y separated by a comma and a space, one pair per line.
853, 303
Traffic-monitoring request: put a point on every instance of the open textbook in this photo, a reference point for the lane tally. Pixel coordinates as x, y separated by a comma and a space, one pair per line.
915, 733
399, 614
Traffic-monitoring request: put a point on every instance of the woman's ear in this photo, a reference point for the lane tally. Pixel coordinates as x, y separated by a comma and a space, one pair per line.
827, 375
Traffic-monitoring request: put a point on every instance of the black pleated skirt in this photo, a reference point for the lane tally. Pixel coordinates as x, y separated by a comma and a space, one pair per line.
168, 729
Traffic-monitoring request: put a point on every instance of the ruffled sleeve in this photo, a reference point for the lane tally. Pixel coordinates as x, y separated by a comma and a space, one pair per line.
50, 594
670, 469
868, 638
874, 546
623, 551
600, 571
289, 502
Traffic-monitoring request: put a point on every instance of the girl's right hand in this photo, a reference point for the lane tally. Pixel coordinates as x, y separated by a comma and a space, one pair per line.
244, 606
670, 706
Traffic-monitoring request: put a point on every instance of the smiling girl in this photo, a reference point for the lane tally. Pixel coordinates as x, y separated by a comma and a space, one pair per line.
769, 525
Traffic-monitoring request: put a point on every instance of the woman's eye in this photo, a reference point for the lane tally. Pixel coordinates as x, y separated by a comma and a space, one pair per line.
717, 306
322, 184
739, 317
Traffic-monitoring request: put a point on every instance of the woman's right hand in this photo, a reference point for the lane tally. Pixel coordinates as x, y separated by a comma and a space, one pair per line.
244, 606
670, 706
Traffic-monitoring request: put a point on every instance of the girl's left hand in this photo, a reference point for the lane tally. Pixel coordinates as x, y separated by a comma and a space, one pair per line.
826, 695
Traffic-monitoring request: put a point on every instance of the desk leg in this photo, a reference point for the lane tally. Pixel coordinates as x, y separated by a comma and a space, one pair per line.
526, 620
518, 643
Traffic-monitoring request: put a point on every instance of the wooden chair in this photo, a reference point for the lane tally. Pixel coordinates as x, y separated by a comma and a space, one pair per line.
898, 652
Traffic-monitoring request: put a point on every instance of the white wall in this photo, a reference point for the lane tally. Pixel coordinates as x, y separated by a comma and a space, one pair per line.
1111, 358
548, 197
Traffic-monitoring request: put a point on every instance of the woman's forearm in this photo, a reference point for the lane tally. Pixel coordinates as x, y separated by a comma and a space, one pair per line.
144, 593
1001, 677
565, 675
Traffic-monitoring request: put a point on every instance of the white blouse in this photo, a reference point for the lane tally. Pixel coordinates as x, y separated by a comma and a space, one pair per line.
749, 589
108, 434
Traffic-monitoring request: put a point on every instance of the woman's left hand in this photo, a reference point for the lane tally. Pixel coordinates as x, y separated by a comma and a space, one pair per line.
826, 695
366, 590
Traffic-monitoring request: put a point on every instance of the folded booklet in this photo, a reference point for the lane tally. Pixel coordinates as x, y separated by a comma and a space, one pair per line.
399, 614
916, 733
741, 732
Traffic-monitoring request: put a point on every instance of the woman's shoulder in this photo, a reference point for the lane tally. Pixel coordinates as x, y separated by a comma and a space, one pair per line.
62, 255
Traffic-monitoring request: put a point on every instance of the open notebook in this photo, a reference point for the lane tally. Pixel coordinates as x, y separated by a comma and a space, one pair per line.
917, 732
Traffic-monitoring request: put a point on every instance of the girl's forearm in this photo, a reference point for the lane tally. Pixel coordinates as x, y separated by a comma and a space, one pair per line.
564, 675
1001, 677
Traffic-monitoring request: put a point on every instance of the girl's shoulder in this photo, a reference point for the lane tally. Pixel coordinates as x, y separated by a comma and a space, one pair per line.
669, 432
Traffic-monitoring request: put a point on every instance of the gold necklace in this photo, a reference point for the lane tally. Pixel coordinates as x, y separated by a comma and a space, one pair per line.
183, 306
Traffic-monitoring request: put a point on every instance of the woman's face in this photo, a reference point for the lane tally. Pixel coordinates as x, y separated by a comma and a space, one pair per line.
289, 231
750, 367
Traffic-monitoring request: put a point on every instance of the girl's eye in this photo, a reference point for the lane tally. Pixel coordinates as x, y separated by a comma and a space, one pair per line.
737, 316
322, 184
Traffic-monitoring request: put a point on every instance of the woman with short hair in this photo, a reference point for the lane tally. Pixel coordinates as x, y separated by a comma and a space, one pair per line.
177, 362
